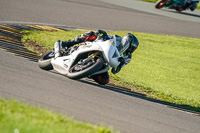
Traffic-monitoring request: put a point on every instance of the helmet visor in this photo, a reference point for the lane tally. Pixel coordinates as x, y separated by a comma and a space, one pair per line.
124, 45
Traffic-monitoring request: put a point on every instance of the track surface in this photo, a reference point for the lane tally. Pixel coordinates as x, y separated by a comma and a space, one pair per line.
95, 14
150, 8
23, 80
84, 100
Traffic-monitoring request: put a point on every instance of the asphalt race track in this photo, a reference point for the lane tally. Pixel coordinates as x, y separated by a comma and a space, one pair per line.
83, 99
94, 14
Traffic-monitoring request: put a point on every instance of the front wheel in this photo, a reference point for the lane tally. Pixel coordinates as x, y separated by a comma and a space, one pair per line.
45, 61
79, 70
161, 4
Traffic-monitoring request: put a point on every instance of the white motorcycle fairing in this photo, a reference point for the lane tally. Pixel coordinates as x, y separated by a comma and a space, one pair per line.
107, 48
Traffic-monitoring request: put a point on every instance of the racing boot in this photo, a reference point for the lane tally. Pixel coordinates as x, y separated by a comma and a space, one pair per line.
57, 48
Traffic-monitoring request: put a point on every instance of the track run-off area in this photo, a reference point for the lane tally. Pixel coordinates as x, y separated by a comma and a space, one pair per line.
83, 99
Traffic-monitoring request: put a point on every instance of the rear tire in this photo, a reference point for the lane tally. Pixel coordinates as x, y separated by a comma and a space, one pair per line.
86, 72
45, 61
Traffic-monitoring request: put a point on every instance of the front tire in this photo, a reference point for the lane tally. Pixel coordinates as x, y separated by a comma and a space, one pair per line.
45, 61
86, 72
161, 4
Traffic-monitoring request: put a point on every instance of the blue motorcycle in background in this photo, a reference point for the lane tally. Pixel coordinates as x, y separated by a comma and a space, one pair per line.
178, 5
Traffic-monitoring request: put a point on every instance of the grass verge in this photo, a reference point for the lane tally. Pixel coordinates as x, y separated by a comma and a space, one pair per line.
163, 67
154, 1
20, 118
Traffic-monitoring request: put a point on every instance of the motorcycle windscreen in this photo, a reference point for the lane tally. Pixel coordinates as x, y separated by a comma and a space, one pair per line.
111, 53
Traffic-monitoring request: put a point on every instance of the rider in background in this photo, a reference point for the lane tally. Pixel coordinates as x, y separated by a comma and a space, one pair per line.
126, 46
185, 4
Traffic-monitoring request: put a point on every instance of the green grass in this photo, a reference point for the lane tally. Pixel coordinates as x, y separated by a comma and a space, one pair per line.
154, 1
47, 39
168, 66
164, 67
21, 118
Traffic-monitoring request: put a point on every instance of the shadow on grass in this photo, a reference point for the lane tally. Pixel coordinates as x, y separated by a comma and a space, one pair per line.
127, 91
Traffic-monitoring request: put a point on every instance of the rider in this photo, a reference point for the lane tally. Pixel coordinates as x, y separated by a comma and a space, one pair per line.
185, 4
126, 46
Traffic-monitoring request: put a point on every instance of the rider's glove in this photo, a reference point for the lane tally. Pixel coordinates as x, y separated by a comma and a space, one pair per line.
101, 34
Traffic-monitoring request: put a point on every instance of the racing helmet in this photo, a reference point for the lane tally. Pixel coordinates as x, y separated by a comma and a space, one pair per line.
129, 44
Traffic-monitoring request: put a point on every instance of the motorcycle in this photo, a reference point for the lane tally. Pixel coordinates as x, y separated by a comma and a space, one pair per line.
170, 4
85, 60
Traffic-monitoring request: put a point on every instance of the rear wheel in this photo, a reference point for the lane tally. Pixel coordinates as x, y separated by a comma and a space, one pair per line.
45, 61
85, 68
179, 9
161, 4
